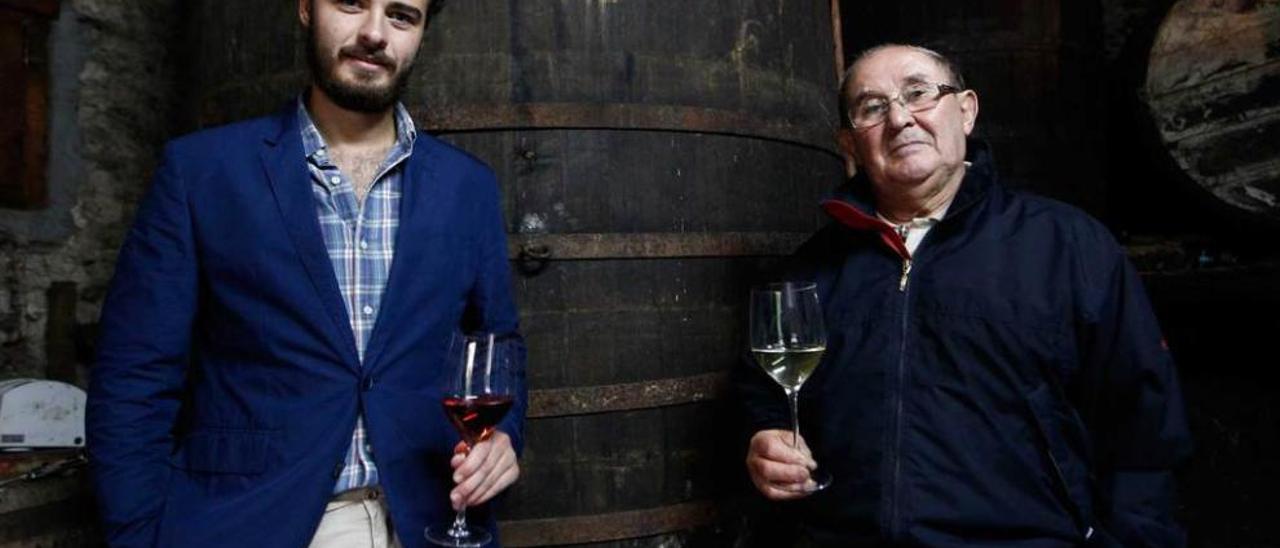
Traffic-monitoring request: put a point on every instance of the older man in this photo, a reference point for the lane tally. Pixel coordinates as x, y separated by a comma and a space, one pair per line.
994, 375
273, 344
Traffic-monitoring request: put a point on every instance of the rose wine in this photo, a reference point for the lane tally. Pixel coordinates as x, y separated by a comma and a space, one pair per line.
476, 416
789, 366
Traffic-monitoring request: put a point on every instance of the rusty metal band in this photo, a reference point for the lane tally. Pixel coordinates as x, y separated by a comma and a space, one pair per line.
653, 245
482, 117
583, 400
607, 527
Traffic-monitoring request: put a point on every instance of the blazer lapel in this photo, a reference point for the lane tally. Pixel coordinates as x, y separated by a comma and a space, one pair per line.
286, 170
420, 202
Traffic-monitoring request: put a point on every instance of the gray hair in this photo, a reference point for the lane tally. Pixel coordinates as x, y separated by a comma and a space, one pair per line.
952, 68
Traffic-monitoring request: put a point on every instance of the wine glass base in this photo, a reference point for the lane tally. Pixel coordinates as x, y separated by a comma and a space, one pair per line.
468, 537
821, 479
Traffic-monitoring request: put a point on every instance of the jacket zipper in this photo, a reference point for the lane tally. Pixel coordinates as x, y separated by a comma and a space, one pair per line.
894, 518
902, 282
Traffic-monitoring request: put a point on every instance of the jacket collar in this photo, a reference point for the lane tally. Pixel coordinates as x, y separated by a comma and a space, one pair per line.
853, 204
287, 175
285, 164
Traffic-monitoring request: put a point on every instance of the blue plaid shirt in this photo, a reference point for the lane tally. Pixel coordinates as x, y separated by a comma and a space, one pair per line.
361, 243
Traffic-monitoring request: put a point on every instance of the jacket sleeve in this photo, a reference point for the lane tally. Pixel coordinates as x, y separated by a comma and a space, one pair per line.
490, 305
1136, 412
136, 382
763, 403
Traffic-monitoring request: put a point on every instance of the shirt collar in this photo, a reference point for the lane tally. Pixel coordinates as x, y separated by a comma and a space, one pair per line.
315, 149
918, 222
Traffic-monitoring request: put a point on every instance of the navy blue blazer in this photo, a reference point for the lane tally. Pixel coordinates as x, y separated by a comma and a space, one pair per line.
227, 384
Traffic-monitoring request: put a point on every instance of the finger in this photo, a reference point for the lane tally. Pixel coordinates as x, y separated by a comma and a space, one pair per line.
789, 491
462, 493
775, 448
781, 491
468, 490
459, 455
472, 462
464, 473
492, 468
507, 462
469, 483
502, 466
504, 479
770, 444
500, 456
780, 472
781, 448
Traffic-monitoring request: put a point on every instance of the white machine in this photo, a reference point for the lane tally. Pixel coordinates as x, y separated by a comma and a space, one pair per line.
37, 414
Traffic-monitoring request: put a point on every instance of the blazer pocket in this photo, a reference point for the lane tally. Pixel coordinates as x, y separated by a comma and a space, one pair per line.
218, 451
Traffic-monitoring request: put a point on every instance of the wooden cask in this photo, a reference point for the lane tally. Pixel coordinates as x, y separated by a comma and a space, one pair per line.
1213, 87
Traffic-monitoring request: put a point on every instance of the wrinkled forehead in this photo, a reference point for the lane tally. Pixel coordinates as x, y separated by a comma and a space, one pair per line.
892, 68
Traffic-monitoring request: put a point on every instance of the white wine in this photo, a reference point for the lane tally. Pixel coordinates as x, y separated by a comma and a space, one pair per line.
789, 366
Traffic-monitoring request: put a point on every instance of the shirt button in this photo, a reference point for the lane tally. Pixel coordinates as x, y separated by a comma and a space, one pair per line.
334, 180
364, 244
368, 310
320, 153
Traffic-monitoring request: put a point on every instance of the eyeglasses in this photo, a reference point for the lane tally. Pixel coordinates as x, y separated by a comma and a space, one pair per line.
871, 110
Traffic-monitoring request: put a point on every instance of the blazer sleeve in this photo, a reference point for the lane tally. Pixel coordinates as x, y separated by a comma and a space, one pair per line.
490, 305
1137, 418
137, 378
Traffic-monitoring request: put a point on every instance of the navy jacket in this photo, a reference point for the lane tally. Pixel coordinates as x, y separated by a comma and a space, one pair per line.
227, 384
1006, 386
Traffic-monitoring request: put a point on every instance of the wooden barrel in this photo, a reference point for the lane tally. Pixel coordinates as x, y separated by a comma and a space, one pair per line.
1213, 87
1036, 66
45, 500
653, 156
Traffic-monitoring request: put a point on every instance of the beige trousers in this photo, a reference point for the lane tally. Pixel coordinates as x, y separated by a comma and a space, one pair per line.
356, 522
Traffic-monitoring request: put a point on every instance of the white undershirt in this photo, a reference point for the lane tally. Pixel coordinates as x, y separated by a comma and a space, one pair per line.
913, 231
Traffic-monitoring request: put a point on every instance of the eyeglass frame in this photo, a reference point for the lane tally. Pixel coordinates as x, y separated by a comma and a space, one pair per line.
943, 91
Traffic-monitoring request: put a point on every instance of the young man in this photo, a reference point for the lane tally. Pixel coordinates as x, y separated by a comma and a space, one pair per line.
273, 343
994, 375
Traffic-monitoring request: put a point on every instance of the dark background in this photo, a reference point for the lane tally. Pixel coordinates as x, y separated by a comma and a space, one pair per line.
1060, 86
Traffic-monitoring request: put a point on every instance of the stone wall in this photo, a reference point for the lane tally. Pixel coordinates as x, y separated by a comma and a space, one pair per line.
112, 81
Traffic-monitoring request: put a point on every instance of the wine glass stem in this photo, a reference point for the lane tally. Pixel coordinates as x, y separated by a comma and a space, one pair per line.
793, 396
459, 529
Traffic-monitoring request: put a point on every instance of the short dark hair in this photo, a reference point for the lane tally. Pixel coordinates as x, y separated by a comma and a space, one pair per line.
952, 68
434, 7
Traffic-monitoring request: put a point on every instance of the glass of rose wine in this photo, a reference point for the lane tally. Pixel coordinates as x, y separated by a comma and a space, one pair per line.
477, 395
787, 341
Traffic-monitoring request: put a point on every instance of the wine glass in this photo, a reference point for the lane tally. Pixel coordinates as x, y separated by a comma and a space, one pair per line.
787, 341
477, 395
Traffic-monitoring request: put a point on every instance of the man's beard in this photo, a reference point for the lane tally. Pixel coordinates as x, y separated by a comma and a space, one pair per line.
357, 97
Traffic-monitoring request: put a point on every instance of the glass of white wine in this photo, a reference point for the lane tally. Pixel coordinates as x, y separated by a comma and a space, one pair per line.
787, 340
